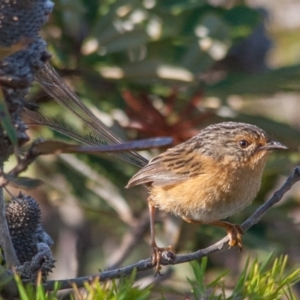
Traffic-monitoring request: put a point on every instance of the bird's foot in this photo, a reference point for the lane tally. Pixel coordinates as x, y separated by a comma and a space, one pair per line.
235, 233
159, 253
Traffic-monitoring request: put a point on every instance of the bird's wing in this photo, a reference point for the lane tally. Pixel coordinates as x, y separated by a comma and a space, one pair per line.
173, 166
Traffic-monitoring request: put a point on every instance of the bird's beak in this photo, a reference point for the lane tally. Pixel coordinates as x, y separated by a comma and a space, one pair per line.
273, 145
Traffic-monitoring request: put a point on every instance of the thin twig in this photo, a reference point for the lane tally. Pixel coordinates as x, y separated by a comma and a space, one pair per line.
6, 243
24, 163
146, 264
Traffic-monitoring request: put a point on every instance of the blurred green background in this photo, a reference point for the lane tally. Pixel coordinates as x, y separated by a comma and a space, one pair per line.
167, 68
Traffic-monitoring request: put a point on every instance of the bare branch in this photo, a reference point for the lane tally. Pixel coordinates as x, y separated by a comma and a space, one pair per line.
146, 264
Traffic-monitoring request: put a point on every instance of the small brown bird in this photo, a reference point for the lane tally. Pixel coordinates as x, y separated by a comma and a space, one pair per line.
207, 178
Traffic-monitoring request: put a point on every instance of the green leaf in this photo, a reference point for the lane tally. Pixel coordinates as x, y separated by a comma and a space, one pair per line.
177, 6
257, 84
148, 70
25, 182
125, 41
242, 20
7, 123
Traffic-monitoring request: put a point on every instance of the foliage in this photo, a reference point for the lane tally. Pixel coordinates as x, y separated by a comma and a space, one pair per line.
258, 280
268, 280
29, 292
125, 288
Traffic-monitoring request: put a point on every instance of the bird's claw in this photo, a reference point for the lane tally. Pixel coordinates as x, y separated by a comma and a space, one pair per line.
157, 254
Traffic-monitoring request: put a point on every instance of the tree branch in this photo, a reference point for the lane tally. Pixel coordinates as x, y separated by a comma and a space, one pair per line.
146, 264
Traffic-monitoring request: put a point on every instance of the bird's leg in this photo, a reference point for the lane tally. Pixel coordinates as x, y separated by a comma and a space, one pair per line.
156, 251
234, 231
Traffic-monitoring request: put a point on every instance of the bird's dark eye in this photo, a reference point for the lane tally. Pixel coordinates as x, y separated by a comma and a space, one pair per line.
244, 144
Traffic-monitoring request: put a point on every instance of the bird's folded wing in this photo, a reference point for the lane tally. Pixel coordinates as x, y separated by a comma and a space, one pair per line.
171, 167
